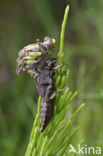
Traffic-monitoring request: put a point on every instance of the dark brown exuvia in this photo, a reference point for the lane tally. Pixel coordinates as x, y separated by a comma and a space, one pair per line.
45, 86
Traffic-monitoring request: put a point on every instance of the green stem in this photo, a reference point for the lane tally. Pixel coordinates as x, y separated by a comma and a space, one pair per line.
60, 54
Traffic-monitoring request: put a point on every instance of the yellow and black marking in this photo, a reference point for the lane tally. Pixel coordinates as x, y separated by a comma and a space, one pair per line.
34, 53
30, 72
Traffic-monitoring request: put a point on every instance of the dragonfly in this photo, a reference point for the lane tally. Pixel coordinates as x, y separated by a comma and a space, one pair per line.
32, 55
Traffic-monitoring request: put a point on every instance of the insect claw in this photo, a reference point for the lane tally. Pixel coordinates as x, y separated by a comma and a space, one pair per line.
60, 90
64, 63
59, 66
55, 92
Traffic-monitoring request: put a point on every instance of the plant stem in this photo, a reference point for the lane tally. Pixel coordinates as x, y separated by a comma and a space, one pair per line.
60, 54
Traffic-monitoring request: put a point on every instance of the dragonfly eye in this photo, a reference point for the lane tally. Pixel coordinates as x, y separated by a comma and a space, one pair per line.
49, 42
54, 42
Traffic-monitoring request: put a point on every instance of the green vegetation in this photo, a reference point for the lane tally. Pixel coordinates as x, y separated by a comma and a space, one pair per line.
22, 22
56, 138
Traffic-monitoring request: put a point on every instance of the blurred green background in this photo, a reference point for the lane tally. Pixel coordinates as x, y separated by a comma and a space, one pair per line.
21, 23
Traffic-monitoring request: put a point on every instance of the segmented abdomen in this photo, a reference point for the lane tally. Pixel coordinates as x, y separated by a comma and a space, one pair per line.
47, 110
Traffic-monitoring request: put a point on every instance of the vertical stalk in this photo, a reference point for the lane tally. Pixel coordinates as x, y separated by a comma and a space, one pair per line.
60, 54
